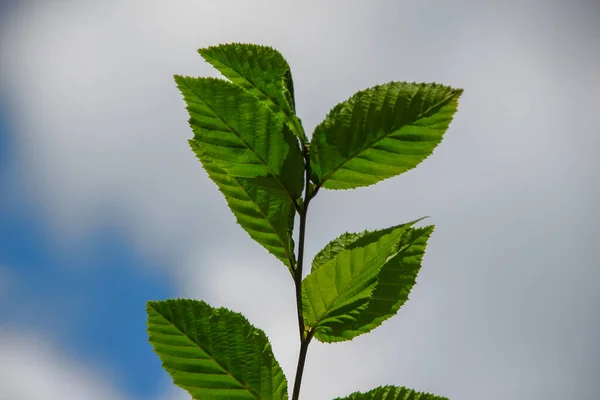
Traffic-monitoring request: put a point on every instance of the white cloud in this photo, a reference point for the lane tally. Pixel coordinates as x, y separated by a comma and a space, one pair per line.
103, 129
99, 112
512, 189
34, 369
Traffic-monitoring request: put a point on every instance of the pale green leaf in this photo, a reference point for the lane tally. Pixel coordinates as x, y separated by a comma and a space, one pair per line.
391, 393
332, 248
348, 240
214, 353
380, 132
268, 219
394, 282
262, 71
242, 136
338, 290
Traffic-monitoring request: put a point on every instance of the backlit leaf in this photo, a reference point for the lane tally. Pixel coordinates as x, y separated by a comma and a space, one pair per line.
268, 218
242, 136
394, 282
262, 71
339, 289
380, 132
214, 353
391, 393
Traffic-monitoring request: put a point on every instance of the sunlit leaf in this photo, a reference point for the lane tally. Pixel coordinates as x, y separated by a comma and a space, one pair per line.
380, 132
391, 393
214, 353
262, 71
339, 289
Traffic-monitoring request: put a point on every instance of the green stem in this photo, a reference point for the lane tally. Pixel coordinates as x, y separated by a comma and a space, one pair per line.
304, 339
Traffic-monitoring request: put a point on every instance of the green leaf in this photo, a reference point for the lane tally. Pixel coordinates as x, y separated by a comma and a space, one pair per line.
332, 248
242, 136
268, 219
380, 132
394, 282
338, 290
213, 353
262, 71
391, 393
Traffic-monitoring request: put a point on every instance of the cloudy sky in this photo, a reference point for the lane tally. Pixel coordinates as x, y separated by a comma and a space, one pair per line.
103, 206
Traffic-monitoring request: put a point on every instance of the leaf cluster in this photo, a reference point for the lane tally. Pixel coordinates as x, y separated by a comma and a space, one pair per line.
252, 145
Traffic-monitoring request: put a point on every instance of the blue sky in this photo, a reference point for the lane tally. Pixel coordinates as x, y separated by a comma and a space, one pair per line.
94, 313
103, 206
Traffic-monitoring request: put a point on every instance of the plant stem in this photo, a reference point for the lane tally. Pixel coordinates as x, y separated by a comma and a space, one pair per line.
304, 339
298, 271
300, 369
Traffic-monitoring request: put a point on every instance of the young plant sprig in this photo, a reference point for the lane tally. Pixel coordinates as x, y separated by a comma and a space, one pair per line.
253, 146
